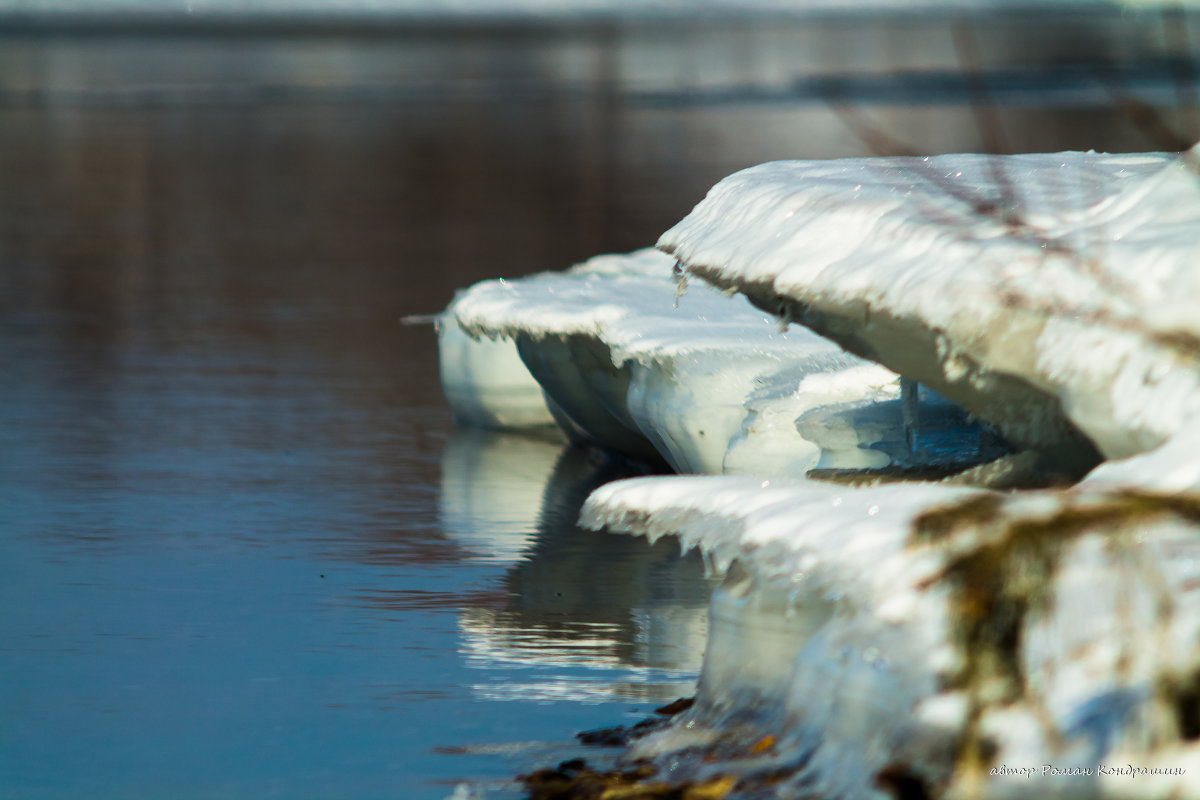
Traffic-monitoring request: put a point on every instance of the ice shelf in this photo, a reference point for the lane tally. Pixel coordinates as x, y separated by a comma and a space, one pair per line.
1053, 295
632, 362
930, 637
944, 632
631, 359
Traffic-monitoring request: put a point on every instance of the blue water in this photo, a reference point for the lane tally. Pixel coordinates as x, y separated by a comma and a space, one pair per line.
244, 551
226, 572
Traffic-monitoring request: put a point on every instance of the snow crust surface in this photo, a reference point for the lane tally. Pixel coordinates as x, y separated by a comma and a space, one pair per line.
634, 362
1049, 294
890, 673
634, 304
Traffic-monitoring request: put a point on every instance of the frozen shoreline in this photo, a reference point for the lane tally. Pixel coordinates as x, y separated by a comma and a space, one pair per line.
945, 631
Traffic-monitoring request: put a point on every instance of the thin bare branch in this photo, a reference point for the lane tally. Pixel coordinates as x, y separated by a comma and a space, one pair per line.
991, 131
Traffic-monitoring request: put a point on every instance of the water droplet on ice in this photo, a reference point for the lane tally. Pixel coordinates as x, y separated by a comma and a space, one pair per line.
872, 511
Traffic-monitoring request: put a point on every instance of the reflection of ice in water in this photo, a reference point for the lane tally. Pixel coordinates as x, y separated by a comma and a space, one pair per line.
492, 488
659, 662
588, 654
586, 616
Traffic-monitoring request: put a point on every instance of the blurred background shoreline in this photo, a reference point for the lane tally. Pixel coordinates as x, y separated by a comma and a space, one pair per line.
559, 136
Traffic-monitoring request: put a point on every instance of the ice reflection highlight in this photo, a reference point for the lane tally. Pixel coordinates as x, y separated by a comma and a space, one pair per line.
579, 615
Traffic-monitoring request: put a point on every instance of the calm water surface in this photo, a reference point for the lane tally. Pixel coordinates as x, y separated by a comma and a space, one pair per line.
243, 550
242, 559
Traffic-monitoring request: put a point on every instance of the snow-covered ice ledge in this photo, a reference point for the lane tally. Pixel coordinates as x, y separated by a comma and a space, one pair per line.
918, 634
627, 359
1056, 296
947, 632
